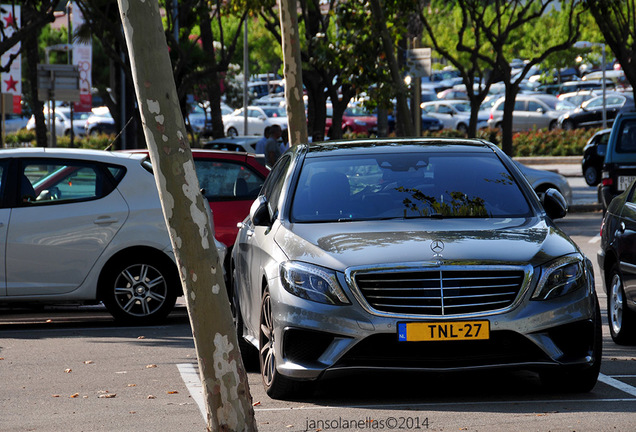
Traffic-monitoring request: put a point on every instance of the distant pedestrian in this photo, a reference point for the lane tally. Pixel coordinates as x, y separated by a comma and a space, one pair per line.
272, 146
284, 145
260, 144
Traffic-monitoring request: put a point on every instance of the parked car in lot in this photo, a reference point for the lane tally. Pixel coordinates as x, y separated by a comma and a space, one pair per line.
531, 111
240, 143
101, 122
258, 117
576, 98
14, 122
355, 119
199, 118
230, 182
617, 260
63, 121
85, 226
542, 180
371, 255
428, 123
593, 157
619, 165
590, 113
454, 114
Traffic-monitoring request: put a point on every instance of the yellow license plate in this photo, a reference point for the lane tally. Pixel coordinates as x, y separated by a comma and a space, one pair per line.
443, 331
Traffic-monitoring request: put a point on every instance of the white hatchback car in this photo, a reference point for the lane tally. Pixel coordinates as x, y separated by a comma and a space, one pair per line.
258, 118
85, 226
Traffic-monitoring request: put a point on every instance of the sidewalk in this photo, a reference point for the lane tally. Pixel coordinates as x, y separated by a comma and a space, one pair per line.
584, 197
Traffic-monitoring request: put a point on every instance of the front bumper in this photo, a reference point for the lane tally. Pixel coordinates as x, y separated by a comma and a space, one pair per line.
313, 340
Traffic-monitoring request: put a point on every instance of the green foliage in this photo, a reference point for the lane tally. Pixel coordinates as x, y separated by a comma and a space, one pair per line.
17, 138
557, 142
24, 138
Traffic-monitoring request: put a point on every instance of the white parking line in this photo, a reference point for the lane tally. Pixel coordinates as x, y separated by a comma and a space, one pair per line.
594, 239
617, 384
191, 378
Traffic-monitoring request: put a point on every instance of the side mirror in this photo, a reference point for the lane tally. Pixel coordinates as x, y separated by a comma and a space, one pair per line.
259, 212
554, 204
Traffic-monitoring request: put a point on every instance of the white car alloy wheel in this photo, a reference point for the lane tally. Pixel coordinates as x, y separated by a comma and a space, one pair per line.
140, 292
621, 319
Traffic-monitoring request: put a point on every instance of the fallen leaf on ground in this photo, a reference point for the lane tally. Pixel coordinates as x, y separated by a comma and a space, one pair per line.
141, 337
74, 395
68, 370
152, 397
49, 321
107, 395
172, 392
132, 385
55, 395
151, 366
89, 362
256, 403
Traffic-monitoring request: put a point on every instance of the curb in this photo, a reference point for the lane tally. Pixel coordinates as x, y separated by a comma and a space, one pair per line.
585, 208
549, 160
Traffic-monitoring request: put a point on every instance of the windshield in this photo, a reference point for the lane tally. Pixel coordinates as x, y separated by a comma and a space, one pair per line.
462, 107
409, 185
356, 112
275, 112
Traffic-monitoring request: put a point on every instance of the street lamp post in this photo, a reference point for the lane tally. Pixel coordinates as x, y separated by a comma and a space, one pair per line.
587, 45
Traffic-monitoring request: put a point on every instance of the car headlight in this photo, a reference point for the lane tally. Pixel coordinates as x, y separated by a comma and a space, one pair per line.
312, 283
560, 277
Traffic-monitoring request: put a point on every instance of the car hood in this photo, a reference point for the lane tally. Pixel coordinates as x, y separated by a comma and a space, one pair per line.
341, 245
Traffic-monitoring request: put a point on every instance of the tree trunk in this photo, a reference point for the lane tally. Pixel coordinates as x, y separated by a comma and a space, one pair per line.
292, 70
404, 121
32, 57
506, 122
223, 376
213, 86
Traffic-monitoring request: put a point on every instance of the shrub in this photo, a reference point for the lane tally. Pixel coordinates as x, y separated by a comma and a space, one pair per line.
556, 142
94, 142
24, 138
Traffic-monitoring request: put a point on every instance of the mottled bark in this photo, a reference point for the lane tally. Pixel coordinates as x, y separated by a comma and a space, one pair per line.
223, 376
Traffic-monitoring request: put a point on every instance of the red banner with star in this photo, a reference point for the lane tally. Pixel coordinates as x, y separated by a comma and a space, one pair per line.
11, 81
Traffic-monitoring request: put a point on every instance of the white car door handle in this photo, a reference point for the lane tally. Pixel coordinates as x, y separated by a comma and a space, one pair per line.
105, 220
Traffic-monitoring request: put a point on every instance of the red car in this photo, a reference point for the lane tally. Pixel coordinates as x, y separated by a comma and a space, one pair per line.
354, 120
231, 181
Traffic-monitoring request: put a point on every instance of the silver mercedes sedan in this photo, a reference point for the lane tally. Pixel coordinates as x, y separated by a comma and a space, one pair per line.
411, 255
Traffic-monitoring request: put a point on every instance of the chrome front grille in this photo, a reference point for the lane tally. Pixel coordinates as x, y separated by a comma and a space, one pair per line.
439, 291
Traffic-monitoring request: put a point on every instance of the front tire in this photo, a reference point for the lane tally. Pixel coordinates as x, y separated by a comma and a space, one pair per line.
621, 319
276, 385
139, 291
232, 132
568, 125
